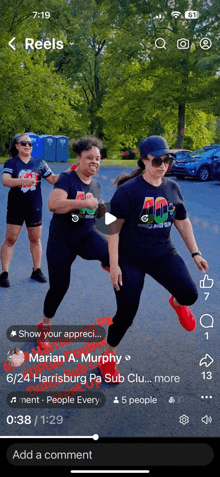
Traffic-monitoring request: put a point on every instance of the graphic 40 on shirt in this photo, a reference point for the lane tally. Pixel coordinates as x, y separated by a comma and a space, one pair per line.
156, 210
28, 174
82, 196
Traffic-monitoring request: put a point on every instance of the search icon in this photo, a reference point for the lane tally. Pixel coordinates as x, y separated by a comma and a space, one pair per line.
160, 43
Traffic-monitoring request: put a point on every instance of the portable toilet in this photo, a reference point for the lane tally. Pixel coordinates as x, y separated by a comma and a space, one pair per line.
62, 148
37, 150
49, 147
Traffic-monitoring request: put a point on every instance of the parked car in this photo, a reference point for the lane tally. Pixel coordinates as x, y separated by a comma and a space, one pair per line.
198, 164
216, 170
179, 154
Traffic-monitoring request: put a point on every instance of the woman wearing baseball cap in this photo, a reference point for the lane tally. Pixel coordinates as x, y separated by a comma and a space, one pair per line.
146, 205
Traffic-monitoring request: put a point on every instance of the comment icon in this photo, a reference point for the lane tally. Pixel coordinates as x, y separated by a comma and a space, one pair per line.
206, 321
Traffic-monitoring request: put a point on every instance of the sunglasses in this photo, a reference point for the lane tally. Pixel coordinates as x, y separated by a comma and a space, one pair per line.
157, 161
24, 143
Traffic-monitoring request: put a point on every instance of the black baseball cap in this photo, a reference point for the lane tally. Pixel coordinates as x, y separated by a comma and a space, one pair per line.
156, 146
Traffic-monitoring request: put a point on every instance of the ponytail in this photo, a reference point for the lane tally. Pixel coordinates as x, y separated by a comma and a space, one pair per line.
137, 171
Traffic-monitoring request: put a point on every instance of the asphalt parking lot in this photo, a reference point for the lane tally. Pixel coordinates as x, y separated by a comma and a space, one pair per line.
167, 390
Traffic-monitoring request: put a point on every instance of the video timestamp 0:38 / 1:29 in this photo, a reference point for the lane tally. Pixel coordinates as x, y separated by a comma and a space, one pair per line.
27, 419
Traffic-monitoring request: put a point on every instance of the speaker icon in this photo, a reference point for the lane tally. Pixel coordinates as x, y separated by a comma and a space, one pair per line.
206, 419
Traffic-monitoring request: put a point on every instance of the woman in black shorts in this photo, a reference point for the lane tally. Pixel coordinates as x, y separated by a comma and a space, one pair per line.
22, 174
146, 205
74, 202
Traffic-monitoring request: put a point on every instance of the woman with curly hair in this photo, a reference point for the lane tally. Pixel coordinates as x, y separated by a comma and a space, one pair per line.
74, 202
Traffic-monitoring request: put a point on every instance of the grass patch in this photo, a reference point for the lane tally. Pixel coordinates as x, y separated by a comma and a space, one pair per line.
3, 159
109, 162
113, 162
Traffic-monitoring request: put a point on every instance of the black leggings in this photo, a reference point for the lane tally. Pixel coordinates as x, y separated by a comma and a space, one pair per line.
60, 257
170, 271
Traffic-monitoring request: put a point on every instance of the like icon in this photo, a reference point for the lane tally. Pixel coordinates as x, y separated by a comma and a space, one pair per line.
206, 282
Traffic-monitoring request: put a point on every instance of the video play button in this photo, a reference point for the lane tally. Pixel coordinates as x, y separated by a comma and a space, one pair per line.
107, 219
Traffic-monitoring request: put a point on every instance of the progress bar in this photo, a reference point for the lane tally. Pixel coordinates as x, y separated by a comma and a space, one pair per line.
95, 437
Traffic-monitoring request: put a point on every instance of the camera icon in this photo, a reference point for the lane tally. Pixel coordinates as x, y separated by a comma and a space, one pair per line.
183, 44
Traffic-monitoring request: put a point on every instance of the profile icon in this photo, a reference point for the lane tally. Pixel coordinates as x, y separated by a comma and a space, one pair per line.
205, 43
15, 357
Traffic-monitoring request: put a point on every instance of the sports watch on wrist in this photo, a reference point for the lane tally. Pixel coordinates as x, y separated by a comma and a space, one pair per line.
196, 253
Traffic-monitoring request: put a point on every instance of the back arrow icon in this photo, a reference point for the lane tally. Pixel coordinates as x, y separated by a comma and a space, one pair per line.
10, 44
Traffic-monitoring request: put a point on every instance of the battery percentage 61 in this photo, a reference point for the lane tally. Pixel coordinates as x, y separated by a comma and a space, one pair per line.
191, 14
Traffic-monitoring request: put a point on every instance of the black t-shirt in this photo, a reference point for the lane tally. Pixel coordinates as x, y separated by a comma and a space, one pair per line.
27, 196
75, 224
149, 213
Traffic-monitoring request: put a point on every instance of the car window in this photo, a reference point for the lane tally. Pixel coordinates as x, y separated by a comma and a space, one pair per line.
217, 153
204, 154
197, 152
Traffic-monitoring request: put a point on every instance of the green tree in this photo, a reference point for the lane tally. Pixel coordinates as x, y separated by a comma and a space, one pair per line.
110, 79
33, 95
182, 79
35, 98
86, 32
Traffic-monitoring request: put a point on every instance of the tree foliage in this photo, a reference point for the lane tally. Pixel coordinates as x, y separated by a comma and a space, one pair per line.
110, 79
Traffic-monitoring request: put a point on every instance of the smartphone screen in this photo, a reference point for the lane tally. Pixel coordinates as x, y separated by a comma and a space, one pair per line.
120, 71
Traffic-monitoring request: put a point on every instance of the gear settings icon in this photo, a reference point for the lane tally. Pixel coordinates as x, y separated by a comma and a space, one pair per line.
184, 419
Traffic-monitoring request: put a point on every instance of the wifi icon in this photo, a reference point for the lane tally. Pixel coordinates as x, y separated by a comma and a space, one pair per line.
175, 14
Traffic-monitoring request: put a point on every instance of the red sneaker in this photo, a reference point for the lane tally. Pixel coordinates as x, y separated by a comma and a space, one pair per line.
186, 317
42, 340
107, 269
108, 368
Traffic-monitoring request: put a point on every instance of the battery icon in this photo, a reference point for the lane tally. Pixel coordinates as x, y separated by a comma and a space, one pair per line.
191, 14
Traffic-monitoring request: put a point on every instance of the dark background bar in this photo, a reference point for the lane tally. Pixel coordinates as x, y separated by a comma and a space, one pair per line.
97, 454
